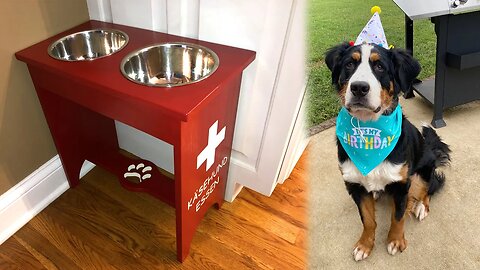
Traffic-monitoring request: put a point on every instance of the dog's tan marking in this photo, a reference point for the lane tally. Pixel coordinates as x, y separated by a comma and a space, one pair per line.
386, 96
418, 198
367, 240
396, 236
374, 57
356, 56
404, 173
418, 188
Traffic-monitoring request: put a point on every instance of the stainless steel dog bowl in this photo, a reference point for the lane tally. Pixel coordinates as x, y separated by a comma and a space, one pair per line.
169, 64
88, 45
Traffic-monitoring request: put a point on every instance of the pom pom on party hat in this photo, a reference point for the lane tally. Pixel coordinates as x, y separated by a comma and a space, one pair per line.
373, 31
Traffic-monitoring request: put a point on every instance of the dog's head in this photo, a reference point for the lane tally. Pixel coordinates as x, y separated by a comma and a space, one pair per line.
369, 78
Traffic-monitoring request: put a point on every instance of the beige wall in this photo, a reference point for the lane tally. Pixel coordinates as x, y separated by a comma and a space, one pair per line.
25, 141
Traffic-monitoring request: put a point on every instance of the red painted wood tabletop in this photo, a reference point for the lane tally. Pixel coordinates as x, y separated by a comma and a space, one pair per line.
104, 74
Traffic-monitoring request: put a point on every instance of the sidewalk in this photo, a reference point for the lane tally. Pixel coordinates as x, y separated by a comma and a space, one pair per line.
449, 238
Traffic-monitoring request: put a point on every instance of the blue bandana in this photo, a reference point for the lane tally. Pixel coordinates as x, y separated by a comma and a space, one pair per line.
369, 143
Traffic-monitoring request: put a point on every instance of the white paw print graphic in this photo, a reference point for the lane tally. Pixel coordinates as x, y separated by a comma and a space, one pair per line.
134, 171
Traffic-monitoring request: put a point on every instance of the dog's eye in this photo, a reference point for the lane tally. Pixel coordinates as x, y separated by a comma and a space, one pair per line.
349, 65
378, 68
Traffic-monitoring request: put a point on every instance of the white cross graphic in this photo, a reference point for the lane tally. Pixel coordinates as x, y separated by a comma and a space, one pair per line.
208, 153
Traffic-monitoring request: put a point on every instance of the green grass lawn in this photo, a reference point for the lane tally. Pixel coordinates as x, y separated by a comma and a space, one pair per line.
333, 21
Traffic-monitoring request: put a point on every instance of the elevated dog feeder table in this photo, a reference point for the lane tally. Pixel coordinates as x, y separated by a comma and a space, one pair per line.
457, 79
81, 100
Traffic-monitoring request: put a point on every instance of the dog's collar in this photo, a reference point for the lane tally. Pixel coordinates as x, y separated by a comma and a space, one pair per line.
369, 143
392, 108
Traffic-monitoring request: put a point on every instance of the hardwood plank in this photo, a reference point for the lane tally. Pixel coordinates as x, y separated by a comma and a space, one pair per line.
15, 256
42, 259
239, 234
42, 248
287, 201
72, 246
123, 249
284, 205
7, 264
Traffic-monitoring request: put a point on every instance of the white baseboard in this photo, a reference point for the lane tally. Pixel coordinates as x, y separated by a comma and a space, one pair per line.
26, 199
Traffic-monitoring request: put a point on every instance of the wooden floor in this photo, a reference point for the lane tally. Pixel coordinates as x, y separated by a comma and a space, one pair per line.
99, 225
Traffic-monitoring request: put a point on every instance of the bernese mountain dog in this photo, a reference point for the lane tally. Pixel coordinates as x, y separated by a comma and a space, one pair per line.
369, 80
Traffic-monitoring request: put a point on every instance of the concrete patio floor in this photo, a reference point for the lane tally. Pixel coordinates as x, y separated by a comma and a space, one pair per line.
449, 238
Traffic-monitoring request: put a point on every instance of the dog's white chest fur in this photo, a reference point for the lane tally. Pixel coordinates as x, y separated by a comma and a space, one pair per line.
377, 179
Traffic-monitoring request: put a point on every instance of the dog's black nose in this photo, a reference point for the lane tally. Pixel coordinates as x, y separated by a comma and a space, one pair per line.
359, 89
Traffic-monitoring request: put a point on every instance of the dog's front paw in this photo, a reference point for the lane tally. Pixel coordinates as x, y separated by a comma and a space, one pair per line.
362, 250
420, 210
395, 245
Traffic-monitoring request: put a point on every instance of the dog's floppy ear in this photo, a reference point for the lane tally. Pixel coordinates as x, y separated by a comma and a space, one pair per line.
332, 59
406, 70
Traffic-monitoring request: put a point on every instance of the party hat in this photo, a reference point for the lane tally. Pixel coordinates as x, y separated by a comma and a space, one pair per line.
373, 31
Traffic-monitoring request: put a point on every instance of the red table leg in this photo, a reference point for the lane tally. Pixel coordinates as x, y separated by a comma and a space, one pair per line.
76, 131
201, 163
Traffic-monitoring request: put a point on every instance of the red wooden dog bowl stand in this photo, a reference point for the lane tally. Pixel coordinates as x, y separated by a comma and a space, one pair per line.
82, 99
